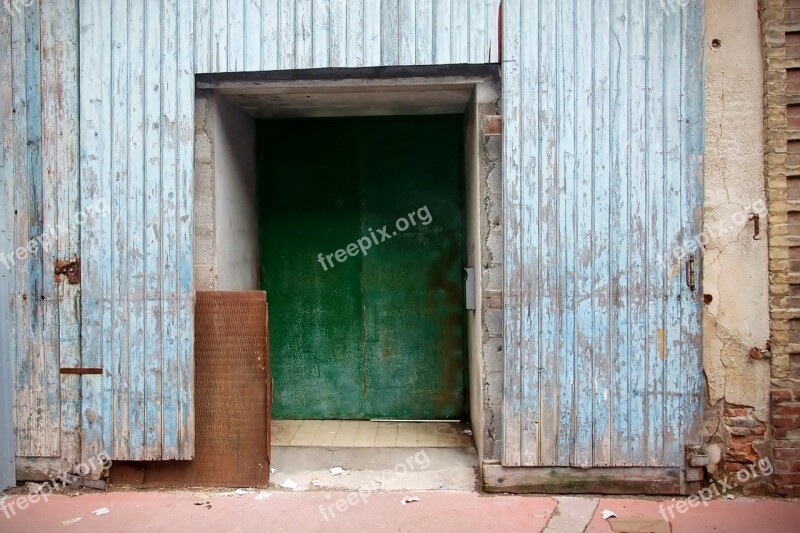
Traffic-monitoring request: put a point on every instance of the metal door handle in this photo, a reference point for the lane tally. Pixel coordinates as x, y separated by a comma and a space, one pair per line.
690, 273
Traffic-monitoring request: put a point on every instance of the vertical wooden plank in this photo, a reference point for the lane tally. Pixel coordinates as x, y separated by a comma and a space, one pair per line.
512, 260
203, 37
673, 81
253, 35
321, 13
372, 33
303, 34
286, 46
169, 238
567, 102
33, 125
407, 31
7, 280
550, 83
95, 121
441, 32
120, 137
269, 34
619, 245
133, 206
637, 231
22, 396
153, 222
493, 30
219, 35
535, 200
236, 35
692, 213
656, 273
424, 38
459, 32
51, 87
601, 360
390, 32
584, 335
184, 200
478, 48
338, 33
68, 205
355, 33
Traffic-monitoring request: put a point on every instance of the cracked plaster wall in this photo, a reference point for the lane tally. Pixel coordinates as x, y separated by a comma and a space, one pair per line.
735, 265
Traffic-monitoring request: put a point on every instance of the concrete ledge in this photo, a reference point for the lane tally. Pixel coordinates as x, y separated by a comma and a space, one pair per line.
568, 480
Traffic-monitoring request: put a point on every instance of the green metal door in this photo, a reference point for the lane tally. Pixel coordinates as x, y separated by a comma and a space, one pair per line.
375, 330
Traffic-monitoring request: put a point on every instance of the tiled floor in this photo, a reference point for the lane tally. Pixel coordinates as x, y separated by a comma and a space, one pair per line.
364, 434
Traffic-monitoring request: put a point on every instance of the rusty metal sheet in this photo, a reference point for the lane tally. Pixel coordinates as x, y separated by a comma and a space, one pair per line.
232, 400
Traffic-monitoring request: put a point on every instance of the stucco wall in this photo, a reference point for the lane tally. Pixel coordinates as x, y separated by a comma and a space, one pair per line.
735, 277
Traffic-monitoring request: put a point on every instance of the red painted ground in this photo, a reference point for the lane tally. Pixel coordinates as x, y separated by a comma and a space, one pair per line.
742, 515
437, 512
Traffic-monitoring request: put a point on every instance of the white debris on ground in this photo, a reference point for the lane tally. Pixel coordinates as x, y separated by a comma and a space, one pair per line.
608, 514
289, 484
100, 512
409, 499
337, 471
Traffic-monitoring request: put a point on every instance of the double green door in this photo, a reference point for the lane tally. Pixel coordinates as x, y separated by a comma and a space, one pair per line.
361, 247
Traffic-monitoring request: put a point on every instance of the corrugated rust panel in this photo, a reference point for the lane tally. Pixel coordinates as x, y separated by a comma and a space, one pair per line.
602, 160
232, 401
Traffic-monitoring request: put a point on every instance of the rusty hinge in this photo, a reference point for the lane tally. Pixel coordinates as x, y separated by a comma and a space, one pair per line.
71, 269
690, 274
82, 371
696, 461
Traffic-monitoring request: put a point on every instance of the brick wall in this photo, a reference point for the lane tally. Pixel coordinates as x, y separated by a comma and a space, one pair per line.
781, 28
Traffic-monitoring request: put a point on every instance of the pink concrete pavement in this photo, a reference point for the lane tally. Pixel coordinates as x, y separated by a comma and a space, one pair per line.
437, 512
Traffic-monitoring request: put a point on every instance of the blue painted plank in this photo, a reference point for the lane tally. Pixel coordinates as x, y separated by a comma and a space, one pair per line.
478, 36
236, 30
459, 31
153, 220
321, 33
537, 321
7, 277
512, 253
119, 369
656, 273
390, 32
441, 31
407, 31
602, 179
620, 238
692, 136
170, 139
95, 98
303, 34
424, 32
184, 217
582, 453
270, 34
286, 35
493, 30
637, 231
22, 319
372, 33
567, 99
673, 80
203, 36
550, 330
253, 35
219, 36
136, 233
355, 33
338, 33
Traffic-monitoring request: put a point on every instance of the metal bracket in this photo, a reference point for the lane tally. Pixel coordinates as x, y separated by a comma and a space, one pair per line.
696, 461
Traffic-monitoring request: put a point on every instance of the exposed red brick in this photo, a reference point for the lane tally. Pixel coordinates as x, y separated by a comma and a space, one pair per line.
786, 453
779, 396
789, 422
792, 408
736, 411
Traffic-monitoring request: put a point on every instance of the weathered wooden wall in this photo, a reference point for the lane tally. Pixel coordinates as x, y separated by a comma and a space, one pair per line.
603, 135
136, 93
38, 111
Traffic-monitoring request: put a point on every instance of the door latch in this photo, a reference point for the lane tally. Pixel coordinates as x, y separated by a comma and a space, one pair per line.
690, 274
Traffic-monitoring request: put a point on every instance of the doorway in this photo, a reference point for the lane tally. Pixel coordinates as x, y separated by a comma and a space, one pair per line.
361, 249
